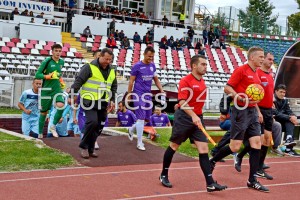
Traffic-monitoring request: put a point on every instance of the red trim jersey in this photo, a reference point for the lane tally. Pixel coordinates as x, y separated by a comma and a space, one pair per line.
240, 79
193, 91
267, 83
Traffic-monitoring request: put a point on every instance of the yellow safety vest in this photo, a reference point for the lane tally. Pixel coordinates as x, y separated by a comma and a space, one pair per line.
95, 86
182, 17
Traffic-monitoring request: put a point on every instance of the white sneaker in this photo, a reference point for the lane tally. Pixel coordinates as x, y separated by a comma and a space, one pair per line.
53, 131
130, 134
96, 146
141, 147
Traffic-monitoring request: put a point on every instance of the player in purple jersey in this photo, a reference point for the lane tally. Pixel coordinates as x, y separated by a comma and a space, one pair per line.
139, 89
159, 119
126, 118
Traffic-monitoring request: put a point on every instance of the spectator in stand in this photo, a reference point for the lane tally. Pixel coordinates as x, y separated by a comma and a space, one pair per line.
165, 21
171, 42
222, 43
31, 14
87, 32
191, 33
150, 17
46, 22
53, 22
126, 118
189, 44
200, 48
216, 44
177, 45
163, 43
121, 35
137, 38
125, 44
32, 20
134, 22
182, 43
72, 3
13, 13
111, 42
116, 35
217, 32
141, 23
29, 105
70, 15
211, 36
25, 13
285, 116
112, 26
224, 33
151, 32
40, 15
147, 39
63, 6
181, 17
159, 119
205, 36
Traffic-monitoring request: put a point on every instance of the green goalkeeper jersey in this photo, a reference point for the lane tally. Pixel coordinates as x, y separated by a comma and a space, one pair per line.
53, 84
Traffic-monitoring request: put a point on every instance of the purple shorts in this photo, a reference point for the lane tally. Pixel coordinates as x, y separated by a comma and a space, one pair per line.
143, 108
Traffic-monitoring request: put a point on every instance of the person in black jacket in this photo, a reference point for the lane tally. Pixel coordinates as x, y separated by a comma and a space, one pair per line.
98, 84
285, 116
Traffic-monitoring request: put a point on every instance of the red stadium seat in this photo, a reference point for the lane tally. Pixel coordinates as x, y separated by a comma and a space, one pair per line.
50, 43
82, 39
67, 45
95, 49
33, 42
97, 38
10, 44
25, 51
5, 49
15, 40
47, 47
29, 46
78, 55
44, 52
65, 49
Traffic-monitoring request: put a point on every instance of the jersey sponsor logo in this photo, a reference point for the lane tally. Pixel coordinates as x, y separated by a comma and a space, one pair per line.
52, 65
195, 86
250, 77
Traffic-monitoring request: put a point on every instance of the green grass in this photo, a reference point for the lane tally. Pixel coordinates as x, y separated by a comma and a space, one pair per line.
19, 154
185, 147
7, 110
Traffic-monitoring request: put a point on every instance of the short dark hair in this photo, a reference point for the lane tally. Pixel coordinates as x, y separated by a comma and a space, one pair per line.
122, 102
195, 59
280, 87
94, 53
268, 52
56, 46
149, 48
106, 50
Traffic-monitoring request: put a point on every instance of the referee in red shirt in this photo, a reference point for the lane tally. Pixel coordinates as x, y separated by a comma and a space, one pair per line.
244, 118
191, 97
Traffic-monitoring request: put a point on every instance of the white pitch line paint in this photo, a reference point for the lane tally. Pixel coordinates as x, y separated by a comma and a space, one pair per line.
119, 172
203, 191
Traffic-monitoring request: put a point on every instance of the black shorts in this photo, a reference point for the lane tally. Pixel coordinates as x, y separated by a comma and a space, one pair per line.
268, 119
244, 123
184, 128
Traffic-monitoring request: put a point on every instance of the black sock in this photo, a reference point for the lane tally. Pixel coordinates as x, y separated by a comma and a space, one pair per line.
262, 156
246, 149
224, 151
167, 161
253, 160
205, 166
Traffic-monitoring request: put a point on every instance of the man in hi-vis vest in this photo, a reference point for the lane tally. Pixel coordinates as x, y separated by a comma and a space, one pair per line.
98, 84
181, 17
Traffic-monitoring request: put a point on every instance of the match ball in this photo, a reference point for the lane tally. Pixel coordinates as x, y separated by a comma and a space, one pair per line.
256, 92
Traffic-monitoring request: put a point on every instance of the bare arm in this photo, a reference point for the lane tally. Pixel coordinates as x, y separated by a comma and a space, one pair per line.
185, 107
130, 84
157, 83
117, 124
22, 107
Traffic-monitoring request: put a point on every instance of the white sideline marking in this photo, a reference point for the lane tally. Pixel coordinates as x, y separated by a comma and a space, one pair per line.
203, 191
119, 172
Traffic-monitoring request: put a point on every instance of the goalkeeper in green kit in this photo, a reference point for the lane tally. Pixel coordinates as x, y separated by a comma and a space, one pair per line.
51, 91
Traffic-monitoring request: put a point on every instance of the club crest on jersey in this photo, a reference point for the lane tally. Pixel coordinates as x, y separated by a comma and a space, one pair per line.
151, 68
161, 118
126, 116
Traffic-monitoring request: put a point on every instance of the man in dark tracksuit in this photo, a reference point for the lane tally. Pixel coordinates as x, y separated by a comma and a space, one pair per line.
98, 84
